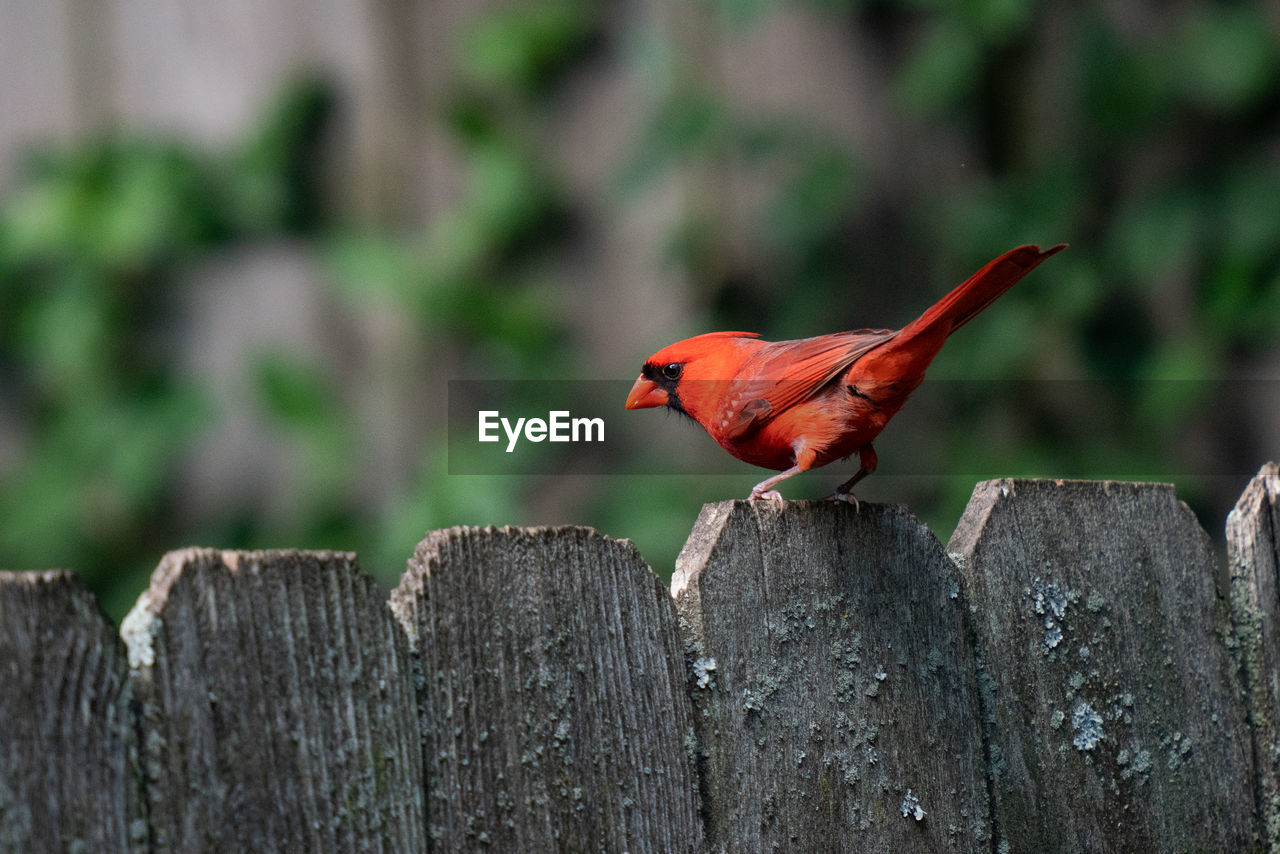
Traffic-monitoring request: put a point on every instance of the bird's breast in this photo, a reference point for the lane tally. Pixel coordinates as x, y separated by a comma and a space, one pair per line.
834, 425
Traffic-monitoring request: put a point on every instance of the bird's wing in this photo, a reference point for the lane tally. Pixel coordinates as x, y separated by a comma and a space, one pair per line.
785, 373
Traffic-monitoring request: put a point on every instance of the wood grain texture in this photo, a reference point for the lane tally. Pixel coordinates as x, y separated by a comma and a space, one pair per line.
554, 706
1112, 707
836, 687
1253, 549
278, 706
68, 740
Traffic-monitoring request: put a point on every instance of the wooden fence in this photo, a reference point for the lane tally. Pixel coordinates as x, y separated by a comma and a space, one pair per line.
1076, 671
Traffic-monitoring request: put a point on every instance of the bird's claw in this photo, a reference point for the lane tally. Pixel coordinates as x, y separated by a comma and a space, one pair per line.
766, 495
847, 497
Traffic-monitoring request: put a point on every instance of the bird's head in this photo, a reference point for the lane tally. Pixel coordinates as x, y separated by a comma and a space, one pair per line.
688, 376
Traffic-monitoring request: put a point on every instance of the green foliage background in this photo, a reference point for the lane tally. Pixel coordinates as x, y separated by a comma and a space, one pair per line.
1155, 153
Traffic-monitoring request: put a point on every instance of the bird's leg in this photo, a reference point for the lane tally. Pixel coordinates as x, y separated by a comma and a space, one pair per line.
844, 492
804, 459
762, 491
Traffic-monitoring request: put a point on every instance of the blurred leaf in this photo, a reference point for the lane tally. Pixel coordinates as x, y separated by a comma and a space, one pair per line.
813, 204
1006, 348
1251, 216
40, 505
41, 219
1226, 56
1241, 289
1123, 89
744, 13
978, 221
509, 209
507, 196
838, 7
997, 20
456, 246
1073, 290
146, 436
683, 127
774, 137
1176, 382
153, 204
92, 476
65, 336
374, 269
276, 173
291, 390
1242, 302
941, 70
1157, 237
523, 323
299, 397
523, 46
120, 203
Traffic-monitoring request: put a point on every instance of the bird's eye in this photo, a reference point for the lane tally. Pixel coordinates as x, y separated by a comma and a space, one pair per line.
672, 370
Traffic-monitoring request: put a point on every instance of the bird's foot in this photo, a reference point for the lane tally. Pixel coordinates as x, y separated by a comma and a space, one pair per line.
765, 495
847, 497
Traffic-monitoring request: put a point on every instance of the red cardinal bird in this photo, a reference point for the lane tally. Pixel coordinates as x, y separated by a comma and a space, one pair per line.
797, 405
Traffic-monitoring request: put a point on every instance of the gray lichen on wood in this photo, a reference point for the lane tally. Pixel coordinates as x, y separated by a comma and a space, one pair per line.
1111, 704
68, 746
841, 710
1253, 549
278, 706
554, 709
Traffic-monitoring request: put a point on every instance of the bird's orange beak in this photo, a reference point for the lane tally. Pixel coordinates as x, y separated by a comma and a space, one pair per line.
645, 394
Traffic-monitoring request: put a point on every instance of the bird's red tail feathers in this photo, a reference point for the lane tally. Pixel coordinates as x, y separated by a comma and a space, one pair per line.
979, 290
904, 357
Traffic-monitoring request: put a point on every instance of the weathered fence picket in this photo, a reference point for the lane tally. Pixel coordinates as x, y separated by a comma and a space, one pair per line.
68, 742
838, 708
1112, 706
277, 706
554, 709
1253, 548
1079, 674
